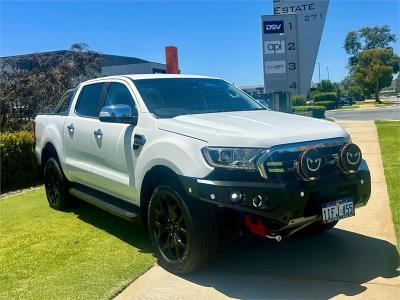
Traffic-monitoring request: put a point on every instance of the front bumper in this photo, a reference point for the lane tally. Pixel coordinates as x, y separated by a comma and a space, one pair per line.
285, 202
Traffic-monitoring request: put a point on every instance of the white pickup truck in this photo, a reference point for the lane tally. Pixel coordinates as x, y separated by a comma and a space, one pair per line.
196, 158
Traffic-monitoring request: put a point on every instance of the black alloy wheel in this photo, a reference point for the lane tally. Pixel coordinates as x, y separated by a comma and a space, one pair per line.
169, 229
182, 230
53, 185
56, 185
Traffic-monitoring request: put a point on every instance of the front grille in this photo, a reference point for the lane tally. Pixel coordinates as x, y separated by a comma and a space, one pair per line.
281, 161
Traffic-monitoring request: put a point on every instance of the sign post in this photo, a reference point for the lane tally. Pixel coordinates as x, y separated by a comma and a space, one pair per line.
291, 40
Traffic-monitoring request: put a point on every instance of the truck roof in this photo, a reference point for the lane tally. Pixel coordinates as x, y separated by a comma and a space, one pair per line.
159, 76
149, 76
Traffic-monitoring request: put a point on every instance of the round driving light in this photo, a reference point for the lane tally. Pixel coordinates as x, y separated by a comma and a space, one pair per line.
258, 201
236, 196
350, 158
310, 163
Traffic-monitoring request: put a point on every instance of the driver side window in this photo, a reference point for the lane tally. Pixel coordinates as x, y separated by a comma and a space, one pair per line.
118, 93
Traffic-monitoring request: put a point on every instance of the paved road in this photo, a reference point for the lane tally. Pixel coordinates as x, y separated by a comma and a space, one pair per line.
389, 113
358, 258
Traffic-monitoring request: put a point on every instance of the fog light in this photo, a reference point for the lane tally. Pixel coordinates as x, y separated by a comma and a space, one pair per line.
236, 196
258, 201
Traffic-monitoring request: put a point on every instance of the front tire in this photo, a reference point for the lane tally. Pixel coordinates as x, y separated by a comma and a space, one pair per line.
183, 231
56, 185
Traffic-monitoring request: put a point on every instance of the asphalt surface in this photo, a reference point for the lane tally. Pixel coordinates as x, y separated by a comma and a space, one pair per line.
379, 113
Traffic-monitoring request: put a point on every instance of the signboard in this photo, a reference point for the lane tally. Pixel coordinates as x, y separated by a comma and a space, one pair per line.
280, 53
307, 19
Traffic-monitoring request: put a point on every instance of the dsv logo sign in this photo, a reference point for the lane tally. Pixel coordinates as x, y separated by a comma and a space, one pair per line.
274, 47
273, 27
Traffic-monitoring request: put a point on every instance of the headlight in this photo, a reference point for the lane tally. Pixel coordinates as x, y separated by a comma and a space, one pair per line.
232, 158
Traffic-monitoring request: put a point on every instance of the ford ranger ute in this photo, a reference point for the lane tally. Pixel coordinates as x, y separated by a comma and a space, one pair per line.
196, 158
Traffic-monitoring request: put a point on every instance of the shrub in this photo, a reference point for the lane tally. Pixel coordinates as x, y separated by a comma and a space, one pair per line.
19, 167
317, 111
324, 97
327, 104
298, 100
16, 125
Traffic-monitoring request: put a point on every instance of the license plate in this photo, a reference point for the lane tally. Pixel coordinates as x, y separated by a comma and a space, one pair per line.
336, 210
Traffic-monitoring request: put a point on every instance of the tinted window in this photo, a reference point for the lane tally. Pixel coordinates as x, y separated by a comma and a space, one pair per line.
172, 97
118, 93
65, 102
88, 102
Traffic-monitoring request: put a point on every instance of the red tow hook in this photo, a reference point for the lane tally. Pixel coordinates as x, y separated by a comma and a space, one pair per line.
259, 229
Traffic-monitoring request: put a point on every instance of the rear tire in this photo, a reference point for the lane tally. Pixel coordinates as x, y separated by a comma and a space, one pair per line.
56, 185
182, 230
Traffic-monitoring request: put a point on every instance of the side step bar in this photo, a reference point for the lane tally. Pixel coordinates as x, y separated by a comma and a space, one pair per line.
116, 206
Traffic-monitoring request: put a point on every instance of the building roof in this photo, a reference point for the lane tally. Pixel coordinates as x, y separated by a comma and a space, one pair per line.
116, 60
107, 59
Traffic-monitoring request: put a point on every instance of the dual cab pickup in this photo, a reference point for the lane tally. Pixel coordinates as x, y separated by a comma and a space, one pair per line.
195, 158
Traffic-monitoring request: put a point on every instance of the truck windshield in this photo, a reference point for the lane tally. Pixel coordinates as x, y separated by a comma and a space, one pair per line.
171, 97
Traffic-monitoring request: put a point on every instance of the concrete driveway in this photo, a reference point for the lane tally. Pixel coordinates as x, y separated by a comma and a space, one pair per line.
358, 258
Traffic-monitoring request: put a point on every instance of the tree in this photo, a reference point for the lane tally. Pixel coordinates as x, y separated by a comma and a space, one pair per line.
375, 68
397, 85
326, 86
351, 88
367, 38
34, 83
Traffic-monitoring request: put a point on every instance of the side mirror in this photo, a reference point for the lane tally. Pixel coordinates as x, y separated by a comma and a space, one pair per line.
118, 113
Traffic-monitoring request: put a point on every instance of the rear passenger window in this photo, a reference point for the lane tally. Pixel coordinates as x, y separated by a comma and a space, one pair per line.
65, 102
118, 93
88, 102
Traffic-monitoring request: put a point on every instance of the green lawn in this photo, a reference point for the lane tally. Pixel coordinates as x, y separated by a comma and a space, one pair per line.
84, 253
389, 139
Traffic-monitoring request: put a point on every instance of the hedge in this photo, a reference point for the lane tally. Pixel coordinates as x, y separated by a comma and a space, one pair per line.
317, 111
298, 100
327, 104
324, 97
19, 167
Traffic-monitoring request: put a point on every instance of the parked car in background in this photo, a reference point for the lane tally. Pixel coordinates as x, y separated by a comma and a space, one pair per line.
345, 101
197, 158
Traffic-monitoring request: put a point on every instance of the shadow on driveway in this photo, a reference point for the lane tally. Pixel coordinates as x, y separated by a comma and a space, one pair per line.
334, 263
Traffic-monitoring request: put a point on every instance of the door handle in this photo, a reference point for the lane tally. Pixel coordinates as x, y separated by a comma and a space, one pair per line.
98, 133
71, 127
138, 141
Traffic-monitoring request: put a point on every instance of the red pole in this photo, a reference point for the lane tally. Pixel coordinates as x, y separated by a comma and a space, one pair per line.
171, 57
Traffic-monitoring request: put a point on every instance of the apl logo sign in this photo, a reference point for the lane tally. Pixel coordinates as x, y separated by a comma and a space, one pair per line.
274, 47
273, 27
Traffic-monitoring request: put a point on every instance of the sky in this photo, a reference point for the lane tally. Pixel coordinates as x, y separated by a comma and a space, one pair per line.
215, 38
